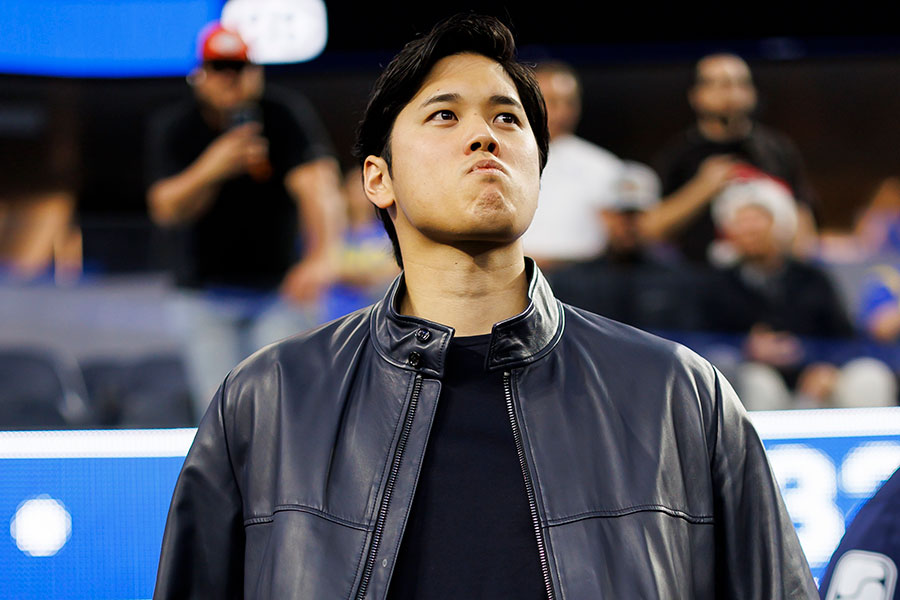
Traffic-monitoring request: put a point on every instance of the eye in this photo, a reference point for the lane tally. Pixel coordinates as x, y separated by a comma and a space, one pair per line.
507, 119
442, 115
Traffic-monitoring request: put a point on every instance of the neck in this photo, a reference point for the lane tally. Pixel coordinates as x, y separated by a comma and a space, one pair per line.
766, 263
466, 289
216, 119
724, 130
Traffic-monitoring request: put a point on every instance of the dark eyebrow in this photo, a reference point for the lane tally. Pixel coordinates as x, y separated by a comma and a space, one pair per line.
495, 100
500, 100
449, 97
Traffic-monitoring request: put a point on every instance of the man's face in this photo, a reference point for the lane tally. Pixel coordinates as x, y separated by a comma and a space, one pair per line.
752, 231
465, 163
623, 232
724, 88
226, 86
560, 91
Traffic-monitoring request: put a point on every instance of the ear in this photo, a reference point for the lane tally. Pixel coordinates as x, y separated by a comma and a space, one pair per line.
377, 182
196, 76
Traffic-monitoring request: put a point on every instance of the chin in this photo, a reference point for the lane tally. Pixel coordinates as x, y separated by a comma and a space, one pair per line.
494, 205
491, 200
500, 220
498, 232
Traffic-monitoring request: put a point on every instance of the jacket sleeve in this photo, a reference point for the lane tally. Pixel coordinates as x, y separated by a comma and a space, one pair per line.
758, 555
203, 544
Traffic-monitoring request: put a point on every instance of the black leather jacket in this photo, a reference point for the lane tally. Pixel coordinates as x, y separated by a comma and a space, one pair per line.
644, 475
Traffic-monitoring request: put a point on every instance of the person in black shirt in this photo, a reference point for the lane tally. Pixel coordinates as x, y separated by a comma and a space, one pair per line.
702, 160
233, 168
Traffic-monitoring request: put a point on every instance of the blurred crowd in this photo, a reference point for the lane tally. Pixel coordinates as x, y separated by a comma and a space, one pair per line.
715, 244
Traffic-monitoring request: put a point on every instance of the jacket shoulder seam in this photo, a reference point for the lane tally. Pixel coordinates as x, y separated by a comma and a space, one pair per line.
307, 509
621, 512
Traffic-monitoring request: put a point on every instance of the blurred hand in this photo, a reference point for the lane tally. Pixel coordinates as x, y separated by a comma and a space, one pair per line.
817, 382
307, 280
716, 171
235, 152
775, 348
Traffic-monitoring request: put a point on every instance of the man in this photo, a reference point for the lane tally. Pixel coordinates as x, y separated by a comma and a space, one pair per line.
632, 281
577, 184
788, 308
239, 168
765, 284
700, 162
777, 300
469, 436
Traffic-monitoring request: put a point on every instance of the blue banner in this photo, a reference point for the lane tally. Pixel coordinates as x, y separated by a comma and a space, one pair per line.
102, 38
83, 512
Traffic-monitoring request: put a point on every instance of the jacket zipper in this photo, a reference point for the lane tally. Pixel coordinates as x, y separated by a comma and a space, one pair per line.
529, 486
389, 488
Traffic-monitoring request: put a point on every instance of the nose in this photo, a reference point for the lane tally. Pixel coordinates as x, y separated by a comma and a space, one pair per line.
486, 145
483, 140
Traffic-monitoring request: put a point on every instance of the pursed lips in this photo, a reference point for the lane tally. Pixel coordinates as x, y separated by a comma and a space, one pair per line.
487, 166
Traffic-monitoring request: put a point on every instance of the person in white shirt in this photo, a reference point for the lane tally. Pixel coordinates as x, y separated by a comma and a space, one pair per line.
577, 184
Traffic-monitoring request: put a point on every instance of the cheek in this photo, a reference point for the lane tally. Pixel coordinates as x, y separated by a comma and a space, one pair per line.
531, 167
410, 159
529, 191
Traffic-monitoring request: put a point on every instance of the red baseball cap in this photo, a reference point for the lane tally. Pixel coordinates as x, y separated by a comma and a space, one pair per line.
218, 43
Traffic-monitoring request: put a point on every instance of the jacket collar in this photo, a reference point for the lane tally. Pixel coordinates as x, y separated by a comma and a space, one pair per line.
421, 345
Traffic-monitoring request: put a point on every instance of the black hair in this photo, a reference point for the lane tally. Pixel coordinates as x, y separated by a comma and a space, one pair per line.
696, 80
402, 78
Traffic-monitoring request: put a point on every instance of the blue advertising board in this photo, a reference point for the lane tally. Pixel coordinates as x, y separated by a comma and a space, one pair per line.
828, 463
149, 38
102, 38
83, 512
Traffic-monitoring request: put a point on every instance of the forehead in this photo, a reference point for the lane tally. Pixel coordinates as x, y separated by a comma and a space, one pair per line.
753, 210
723, 67
557, 82
470, 75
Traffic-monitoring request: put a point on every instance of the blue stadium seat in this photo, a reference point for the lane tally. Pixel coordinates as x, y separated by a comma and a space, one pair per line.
41, 389
146, 392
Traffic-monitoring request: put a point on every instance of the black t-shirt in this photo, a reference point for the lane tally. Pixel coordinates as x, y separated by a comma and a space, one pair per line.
469, 533
248, 237
765, 149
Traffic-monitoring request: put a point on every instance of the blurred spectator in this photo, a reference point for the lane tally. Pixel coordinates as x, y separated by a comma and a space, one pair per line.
637, 190
879, 311
875, 234
366, 263
700, 162
39, 235
779, 301
631, 282
237, 168
878, 225
577, 183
